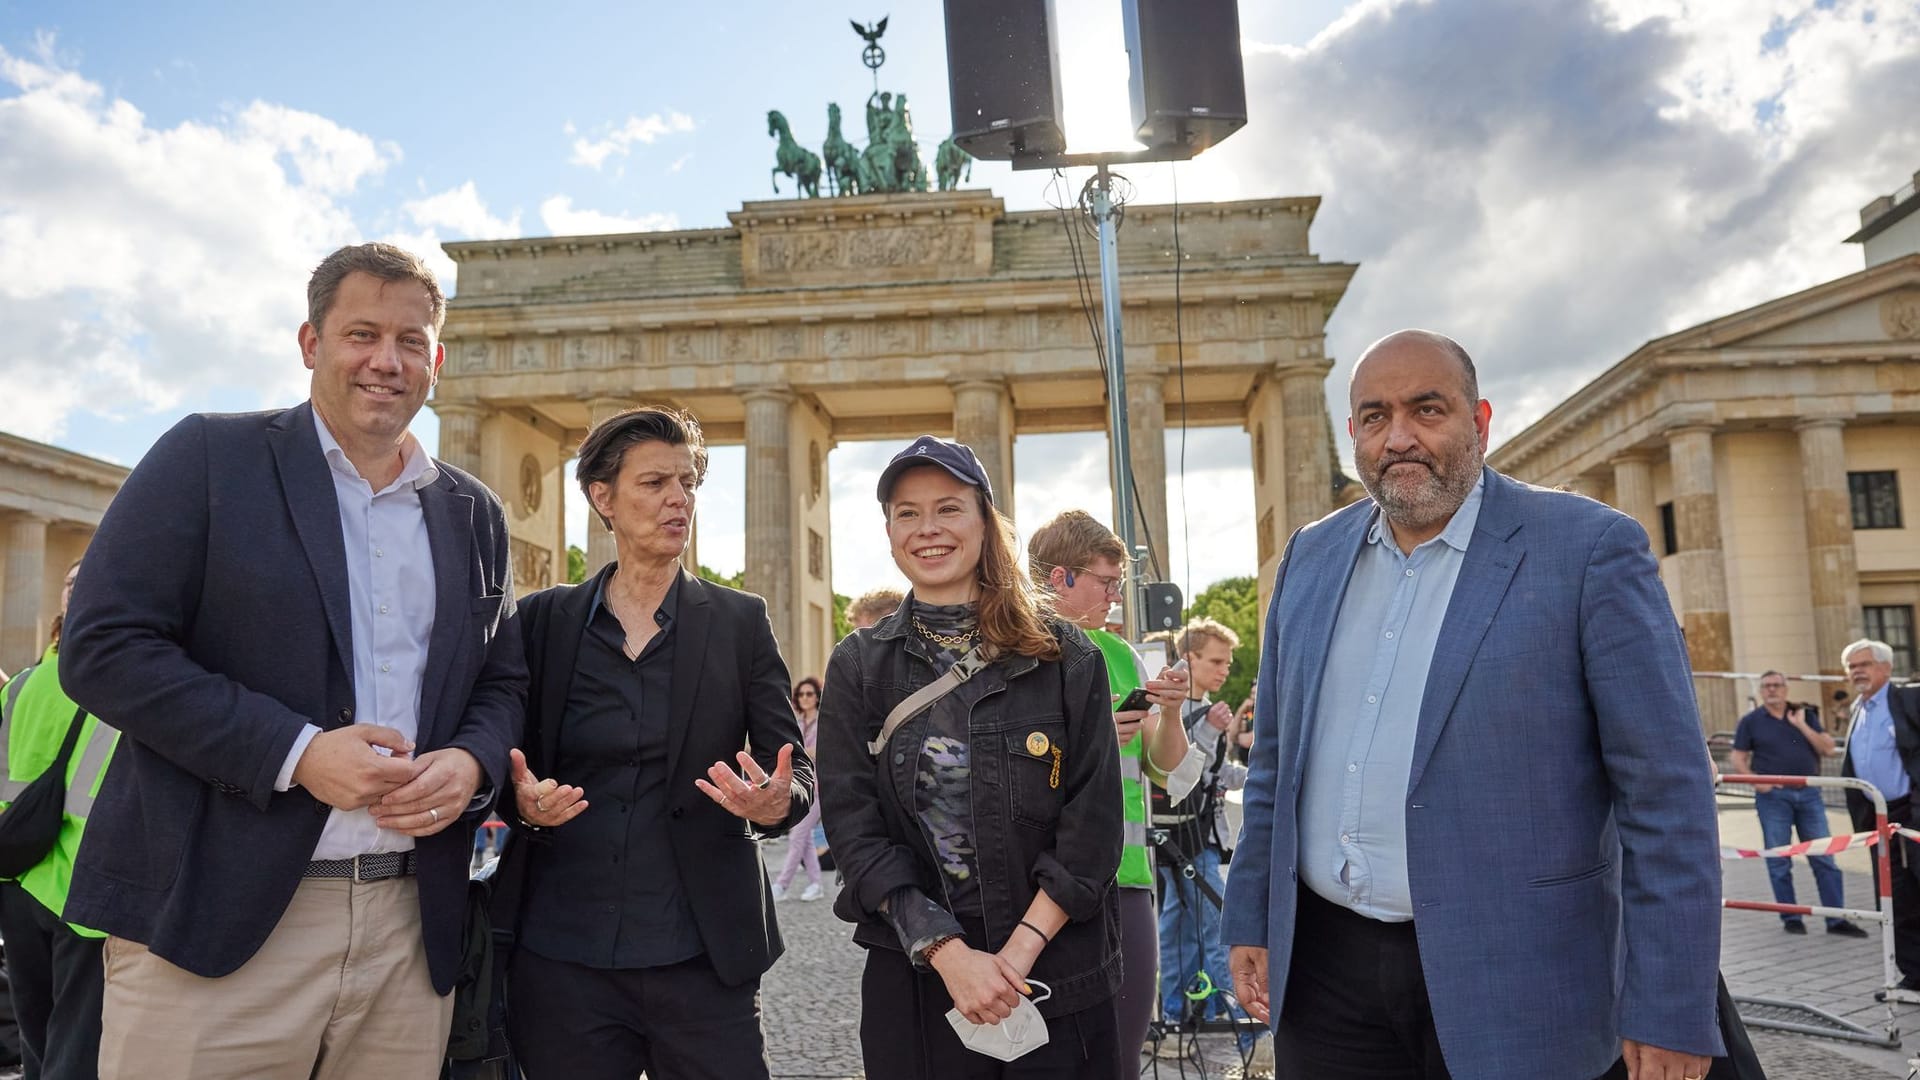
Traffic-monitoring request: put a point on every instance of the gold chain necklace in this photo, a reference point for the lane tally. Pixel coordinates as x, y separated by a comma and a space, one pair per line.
948, 641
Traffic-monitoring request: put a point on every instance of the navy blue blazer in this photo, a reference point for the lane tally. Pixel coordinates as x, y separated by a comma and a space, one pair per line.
210, 624
1561, 832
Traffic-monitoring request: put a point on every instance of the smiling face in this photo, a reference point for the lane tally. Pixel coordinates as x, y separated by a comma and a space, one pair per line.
936, 530
373, 360
650, 502
1418, 442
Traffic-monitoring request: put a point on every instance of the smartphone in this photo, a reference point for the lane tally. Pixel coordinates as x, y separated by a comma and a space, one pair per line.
1134, 702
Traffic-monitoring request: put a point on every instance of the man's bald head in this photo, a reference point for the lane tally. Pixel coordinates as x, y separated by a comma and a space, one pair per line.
1401, 340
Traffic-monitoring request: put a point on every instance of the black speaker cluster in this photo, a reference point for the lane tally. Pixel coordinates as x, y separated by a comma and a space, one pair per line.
1187, 82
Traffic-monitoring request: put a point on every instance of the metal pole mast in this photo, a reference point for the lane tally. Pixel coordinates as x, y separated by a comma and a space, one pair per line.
1119, 446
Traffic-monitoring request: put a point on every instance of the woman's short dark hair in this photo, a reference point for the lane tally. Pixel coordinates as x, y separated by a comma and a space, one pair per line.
606, 446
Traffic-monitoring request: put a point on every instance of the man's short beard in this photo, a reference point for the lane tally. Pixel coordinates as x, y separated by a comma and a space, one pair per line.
1453, 480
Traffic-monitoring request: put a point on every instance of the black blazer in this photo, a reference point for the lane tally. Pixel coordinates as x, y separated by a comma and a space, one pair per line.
212, 621
730, 691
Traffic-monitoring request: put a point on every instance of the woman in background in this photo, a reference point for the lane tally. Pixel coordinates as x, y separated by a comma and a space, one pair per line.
800, 851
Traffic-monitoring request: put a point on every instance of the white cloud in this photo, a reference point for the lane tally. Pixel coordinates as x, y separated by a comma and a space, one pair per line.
1555, 184
562, 219
593, 153
457, 213
157, 261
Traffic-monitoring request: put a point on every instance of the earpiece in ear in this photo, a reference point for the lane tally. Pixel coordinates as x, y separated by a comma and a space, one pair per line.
1069, 579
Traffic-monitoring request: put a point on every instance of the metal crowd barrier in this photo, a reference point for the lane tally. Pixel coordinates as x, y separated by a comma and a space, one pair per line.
1829, 1025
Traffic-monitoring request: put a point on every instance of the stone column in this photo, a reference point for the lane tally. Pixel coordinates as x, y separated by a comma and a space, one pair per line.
1592, 485
460, 433
1831, 567
599, 538
1702, 573
983, 419
771, 505
1633, 494
22, 634
1303, 409
1147, 443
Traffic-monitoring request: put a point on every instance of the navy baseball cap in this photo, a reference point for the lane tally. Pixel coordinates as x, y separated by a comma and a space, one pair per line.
957, 458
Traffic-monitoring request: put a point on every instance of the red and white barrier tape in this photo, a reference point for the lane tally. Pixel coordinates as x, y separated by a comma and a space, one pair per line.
1831, 845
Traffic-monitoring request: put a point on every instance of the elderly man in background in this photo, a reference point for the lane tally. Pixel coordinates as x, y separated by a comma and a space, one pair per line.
1883, 748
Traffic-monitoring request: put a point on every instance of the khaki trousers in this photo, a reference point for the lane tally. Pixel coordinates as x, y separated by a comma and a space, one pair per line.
339, 989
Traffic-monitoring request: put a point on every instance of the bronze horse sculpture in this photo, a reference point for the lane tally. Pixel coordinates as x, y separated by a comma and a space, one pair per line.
793, 159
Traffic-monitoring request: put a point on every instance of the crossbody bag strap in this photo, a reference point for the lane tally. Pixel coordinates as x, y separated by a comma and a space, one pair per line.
969, 665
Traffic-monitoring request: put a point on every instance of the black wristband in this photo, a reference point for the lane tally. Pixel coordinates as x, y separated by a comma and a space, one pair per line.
1037, 930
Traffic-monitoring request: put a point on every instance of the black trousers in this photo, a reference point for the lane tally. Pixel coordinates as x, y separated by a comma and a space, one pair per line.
680, 1022
904, 1034
1903, 859
1356, 1005
57, 978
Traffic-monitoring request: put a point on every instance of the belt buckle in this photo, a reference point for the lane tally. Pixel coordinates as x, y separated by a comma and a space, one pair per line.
357, 879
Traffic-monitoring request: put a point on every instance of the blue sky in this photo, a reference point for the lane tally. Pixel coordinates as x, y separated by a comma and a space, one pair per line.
1553, 184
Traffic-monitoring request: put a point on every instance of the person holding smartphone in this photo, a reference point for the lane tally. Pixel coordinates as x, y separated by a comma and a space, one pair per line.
1080, 562
977, 824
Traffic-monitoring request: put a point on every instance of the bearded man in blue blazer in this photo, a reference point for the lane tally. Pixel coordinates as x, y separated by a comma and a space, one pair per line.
1480, 835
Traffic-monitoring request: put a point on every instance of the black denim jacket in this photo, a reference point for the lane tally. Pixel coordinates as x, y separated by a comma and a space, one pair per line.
1033, 828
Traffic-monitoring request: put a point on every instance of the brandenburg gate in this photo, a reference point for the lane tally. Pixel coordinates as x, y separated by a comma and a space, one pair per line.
808, 322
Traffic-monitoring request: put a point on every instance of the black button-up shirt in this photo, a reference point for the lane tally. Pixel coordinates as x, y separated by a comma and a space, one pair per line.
605, 891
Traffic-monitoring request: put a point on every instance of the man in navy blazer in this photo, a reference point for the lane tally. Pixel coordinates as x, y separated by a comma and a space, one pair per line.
303, 627
1480, 835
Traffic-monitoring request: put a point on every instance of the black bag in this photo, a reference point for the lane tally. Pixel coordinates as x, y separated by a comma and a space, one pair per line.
30, 825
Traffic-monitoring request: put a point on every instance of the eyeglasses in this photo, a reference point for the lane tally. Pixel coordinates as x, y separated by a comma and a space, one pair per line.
1112, 584
807, 693
1773, 686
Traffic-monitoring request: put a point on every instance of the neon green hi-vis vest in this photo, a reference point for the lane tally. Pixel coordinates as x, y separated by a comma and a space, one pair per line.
33, 724
1123, 676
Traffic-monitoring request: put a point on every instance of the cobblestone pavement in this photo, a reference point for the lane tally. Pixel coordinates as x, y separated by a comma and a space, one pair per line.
812, 996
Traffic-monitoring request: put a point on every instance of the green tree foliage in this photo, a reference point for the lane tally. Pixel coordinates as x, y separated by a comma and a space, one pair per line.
576, 565
731, 581
842, 626
1235, 603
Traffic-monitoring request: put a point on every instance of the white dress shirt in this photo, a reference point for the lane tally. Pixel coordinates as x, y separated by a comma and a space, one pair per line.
390, 584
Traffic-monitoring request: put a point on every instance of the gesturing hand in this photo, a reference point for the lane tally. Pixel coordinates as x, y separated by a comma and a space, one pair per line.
437, 795
1219, 716
342, 769
761, 799
543, 803
983, 985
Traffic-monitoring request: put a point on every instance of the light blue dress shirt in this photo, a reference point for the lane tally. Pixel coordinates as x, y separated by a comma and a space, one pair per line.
1353, 797
1876, 757
390, 589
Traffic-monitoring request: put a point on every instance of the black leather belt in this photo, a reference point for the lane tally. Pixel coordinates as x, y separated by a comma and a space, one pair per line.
377, 867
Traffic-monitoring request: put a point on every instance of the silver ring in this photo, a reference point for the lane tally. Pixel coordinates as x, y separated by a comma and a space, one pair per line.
435, 813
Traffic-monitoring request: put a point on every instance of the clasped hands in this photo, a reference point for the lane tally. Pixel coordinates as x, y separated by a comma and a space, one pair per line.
986, 986
752, 793
412, 795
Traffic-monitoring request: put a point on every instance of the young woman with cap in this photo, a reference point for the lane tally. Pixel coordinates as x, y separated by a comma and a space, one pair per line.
979, 830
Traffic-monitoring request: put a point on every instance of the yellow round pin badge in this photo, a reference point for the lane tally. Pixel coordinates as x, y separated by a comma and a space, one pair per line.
1037, 744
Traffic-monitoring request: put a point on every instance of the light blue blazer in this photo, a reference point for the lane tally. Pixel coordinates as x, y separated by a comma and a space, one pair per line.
1562, 841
